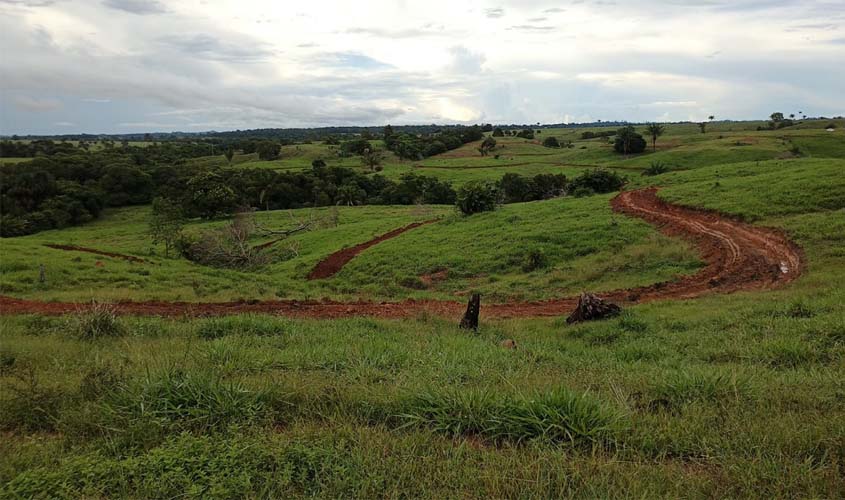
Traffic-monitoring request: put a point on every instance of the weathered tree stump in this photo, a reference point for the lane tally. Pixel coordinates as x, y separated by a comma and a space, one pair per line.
591, 307
470, 320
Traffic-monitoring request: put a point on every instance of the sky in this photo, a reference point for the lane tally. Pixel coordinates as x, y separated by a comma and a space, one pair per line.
128, 66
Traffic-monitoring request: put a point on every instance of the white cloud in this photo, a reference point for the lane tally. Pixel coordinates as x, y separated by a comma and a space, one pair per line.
255, 63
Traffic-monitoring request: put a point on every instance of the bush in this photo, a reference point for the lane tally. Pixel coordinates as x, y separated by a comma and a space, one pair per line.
526, 133
28, 405
551, 142
598, 181
535, 259
477, 196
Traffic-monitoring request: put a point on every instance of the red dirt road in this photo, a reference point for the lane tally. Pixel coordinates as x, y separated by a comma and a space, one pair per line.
738, 256
332, 264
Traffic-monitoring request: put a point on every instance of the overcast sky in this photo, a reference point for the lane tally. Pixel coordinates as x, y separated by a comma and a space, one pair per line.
108, 66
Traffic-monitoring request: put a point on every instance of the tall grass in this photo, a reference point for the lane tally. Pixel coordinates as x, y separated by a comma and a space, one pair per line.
558, 416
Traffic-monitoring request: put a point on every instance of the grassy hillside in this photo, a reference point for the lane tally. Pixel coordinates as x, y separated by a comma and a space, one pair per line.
737, 396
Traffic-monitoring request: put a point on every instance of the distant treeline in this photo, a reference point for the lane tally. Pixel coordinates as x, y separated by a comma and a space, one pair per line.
65, 190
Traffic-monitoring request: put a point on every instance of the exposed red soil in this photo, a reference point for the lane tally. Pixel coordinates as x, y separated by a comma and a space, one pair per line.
74, 248
332, 264
738, 256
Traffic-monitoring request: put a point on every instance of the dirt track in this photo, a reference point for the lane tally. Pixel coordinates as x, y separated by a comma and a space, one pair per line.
738, 256
330, 266
74, 248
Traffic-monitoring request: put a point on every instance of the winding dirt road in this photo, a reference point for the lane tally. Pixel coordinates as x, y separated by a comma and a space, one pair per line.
738, 256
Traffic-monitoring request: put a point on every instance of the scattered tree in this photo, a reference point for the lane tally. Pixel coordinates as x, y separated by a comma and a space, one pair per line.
486, 146
167, 219
655, 130
628, 141
371, 157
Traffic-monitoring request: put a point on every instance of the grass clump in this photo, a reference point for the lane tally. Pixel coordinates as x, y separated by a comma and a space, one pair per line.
197, 401
683, 388
559, 416
97, 322
215, 328
656, 168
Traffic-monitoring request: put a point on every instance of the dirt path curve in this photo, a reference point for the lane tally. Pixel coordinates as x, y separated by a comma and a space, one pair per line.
738, 256
332, 264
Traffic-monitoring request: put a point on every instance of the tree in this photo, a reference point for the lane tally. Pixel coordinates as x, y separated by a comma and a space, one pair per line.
371, 157
268, 150
655, 130
209, 195
497, 132
526, 133
230, 153
551, 142
167, 220
486, 146
629, 141
125, 185
703, 127
777, 117
477, 196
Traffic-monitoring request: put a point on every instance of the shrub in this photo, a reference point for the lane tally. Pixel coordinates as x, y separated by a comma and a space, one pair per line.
551, 142
96, 322
28, 405
477, 196
535, 259
526, 133
656, 168
599, 180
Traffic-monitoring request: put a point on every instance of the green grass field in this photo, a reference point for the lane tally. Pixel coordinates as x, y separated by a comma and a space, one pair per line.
728, 396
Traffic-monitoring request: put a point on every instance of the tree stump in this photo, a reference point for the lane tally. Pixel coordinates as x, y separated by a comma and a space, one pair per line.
470, 320
591, 307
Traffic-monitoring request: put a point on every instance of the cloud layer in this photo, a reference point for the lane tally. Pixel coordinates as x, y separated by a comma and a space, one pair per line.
140, 65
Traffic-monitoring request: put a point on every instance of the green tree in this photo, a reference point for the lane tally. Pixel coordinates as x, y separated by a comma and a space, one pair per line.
167, 219
486, 146
477, 196
628, 141
497, 132
655, 130
208, 195
371, 157
268, 150
229, 154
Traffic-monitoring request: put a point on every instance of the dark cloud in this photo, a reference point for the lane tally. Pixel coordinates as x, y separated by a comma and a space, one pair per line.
494, 13
140, 7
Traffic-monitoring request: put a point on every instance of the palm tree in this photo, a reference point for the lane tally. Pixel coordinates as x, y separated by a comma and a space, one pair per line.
655, 130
